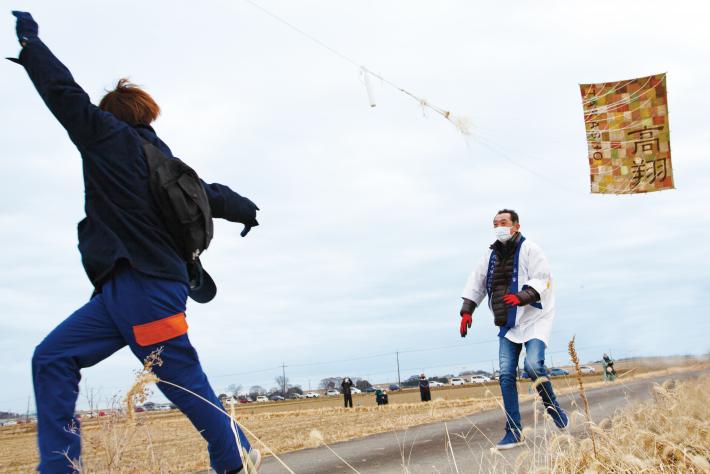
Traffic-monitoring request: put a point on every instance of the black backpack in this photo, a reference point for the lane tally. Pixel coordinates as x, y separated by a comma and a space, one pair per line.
183, 206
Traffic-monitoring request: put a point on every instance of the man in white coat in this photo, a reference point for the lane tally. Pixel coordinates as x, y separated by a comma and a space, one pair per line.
515, 276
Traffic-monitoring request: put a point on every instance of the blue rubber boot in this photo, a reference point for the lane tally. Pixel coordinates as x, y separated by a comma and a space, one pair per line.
512, 439
558, 415
552, 406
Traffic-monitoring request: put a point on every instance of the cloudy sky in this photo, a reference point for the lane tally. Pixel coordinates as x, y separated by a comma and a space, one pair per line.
371, 218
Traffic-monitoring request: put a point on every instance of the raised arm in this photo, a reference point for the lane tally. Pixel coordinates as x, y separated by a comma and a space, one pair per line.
67, 101
226, 204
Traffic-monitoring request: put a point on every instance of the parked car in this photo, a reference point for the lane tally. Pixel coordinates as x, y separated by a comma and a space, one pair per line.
434, 383
496, 375
262, 398
244, 399
332, 393
296, 396
394, 387
585, 369
312, 395
555, 372
355, 390
276, 398
480, 379
457, 381
369, 389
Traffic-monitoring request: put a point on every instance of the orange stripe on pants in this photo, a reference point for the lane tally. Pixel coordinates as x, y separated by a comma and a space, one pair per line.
160, 330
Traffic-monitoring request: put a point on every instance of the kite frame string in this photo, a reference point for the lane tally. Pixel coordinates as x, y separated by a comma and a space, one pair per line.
444, 113
622, 102
615, 89
608, 119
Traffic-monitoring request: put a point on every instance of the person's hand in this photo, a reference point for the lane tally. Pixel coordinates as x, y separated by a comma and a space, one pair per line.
247, 227
26, 27
511, 300
466, 321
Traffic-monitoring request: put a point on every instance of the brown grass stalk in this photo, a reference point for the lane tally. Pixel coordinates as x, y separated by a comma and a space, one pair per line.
578, 374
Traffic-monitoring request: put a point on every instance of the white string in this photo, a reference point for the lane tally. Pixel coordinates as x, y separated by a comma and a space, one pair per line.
616, 105
624, 101
456, 121
596, 97
634, 124
461, 123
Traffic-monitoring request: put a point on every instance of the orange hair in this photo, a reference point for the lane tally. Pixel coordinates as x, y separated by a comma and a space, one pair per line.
130, 104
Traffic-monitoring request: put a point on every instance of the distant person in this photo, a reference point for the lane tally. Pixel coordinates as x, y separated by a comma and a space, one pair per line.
515, 277
138, 270
381, 397
609, 371
424, 390
347, 386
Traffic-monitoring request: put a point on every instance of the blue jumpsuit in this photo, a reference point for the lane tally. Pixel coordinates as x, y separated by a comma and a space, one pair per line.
140, 281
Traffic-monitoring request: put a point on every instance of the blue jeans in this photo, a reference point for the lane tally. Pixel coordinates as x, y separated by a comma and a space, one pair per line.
98, 329
508, 355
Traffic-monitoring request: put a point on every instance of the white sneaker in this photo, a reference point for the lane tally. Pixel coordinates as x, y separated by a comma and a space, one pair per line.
253, 461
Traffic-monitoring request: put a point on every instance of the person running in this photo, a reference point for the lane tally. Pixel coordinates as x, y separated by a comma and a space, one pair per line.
140, 279
515, 276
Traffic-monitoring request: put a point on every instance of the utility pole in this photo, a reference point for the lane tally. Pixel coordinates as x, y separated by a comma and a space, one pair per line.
283, 381
399, 378
27, 416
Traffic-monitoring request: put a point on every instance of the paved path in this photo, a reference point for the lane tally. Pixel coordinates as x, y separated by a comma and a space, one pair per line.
424, 448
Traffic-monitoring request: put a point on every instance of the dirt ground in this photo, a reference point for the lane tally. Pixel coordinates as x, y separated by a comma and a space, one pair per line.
166, 441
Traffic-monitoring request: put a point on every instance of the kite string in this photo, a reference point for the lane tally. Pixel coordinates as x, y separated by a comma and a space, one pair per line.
630, 188
620, 103
491, 147
458, 122
604, 85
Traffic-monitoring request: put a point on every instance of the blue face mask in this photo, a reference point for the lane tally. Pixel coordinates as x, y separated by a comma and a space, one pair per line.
503, 233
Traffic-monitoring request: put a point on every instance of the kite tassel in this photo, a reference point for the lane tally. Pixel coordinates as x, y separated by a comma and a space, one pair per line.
368, 86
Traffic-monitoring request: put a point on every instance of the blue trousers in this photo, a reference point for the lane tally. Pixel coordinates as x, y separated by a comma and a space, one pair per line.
98, 329
508, 356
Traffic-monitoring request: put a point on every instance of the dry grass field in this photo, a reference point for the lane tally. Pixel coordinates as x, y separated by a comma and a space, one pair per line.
166, 442
668, 434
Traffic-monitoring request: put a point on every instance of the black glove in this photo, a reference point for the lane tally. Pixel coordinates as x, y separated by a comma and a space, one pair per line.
26, 27
253, 222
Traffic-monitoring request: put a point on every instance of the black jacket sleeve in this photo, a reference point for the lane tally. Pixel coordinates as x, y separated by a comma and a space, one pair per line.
226, 204
528, 296
468, 306
84, 122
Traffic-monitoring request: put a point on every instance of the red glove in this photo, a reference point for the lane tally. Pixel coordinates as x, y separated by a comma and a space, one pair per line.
466, 321
511, 299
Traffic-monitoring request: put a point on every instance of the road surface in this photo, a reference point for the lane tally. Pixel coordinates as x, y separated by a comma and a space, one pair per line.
424, 448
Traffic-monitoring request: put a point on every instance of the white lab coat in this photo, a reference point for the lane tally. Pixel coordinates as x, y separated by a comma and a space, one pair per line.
533, 271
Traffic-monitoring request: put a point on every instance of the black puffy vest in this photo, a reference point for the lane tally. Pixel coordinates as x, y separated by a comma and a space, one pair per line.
502, 276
